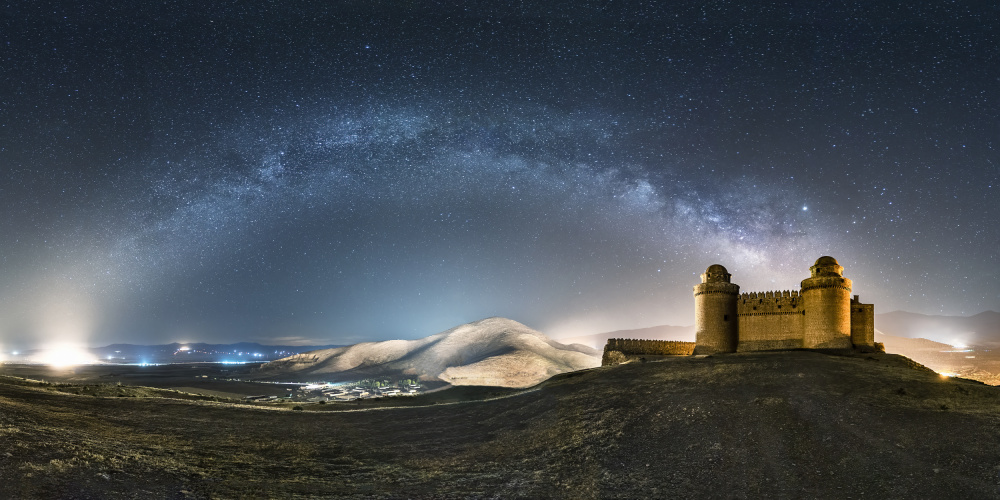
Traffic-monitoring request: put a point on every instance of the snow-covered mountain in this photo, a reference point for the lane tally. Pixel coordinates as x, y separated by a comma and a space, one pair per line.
493, 352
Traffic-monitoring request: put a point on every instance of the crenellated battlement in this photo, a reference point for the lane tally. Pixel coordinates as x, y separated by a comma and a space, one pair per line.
773, 294
653, 347
770, 302
618, 351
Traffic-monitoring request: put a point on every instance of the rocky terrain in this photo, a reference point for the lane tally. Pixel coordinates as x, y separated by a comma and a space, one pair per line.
490, 352
794, 424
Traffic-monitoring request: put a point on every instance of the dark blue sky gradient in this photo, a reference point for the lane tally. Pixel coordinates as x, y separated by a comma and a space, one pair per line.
333, 172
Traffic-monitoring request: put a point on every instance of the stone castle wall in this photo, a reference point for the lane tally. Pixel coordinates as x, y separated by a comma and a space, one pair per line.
770, 320
658, 347
862, 323
828, 316
620, 350
779, 320
716, 328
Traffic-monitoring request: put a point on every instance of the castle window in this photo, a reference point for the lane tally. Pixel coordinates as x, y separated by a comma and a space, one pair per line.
725, 317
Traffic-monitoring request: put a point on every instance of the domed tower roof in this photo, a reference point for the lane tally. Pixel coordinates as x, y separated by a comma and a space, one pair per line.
827, 266
716, 273
826, 260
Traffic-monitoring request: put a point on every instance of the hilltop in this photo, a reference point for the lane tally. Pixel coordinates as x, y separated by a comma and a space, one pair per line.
793, 424
492, 352
941, 343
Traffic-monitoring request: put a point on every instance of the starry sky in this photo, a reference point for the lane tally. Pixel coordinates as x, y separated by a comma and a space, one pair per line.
335, 172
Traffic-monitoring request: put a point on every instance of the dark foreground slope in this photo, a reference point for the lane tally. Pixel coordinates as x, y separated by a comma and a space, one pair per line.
780, 425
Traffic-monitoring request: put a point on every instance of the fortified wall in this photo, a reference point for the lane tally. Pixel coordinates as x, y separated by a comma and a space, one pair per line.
621, 350
770, 320
822, 314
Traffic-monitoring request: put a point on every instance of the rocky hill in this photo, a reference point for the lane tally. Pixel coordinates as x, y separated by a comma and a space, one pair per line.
492, 352
793, 424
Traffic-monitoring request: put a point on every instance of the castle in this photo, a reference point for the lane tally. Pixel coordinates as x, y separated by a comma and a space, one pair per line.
821, 315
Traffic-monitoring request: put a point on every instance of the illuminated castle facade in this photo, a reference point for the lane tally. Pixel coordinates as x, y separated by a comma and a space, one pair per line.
821, 315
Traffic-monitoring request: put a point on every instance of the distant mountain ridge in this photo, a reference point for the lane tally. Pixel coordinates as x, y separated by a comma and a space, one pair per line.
980, 329
490, 352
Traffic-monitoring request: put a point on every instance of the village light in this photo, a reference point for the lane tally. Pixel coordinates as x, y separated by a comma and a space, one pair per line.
64, 355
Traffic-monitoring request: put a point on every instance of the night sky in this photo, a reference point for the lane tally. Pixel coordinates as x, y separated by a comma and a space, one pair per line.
334, 172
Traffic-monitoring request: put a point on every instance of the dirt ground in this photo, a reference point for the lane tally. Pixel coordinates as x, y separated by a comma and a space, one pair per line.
794, 424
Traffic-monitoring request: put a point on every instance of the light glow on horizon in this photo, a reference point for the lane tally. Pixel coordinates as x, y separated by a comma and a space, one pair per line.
64, 355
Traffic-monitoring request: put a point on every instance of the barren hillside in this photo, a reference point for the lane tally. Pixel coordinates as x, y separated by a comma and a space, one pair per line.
791, 424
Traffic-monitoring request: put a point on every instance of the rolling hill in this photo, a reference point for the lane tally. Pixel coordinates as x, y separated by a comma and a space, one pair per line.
493, 352
793, 424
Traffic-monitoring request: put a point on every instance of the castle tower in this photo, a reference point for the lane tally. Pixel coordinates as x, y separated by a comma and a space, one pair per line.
715, 301
862, 323
826, 297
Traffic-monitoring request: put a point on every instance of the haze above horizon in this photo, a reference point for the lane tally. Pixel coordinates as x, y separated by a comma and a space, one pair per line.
326, 174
